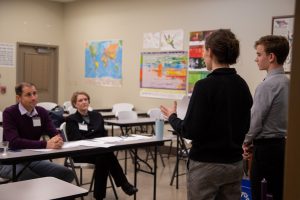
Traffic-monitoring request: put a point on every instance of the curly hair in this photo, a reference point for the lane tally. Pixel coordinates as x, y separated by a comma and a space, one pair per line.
224, 46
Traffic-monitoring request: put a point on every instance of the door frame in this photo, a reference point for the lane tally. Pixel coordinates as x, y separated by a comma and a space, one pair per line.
20, 72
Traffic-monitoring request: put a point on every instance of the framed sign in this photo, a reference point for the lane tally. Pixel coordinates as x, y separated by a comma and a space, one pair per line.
284, 25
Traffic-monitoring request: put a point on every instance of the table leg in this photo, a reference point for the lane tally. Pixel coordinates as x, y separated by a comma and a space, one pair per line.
154, 173
135, 170
177, 161
14, 173
125, 161
16, 176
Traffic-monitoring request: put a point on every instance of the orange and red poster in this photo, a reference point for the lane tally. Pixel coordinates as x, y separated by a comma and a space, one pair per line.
163, 74
197, 69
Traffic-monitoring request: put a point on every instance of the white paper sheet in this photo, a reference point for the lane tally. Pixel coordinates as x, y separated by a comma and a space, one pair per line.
42, 150
107, 139
86, 143
103, 141
134, 137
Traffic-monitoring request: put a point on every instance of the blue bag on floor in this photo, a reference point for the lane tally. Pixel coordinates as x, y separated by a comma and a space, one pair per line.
246, 190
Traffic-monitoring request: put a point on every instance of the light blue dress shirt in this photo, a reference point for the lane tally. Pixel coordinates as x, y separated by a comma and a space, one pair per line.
270, 107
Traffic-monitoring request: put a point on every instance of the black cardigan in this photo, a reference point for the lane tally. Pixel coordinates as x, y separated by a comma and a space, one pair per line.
217, 118
95, 126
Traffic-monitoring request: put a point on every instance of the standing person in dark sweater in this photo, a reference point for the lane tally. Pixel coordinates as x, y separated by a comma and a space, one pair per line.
85, 124
217, 119
23, 125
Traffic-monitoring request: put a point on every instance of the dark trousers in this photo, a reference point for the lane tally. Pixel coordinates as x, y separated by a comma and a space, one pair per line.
104, 164
268, 163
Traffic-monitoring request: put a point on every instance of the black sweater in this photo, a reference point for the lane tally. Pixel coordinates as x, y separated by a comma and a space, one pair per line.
218, 117
95, 126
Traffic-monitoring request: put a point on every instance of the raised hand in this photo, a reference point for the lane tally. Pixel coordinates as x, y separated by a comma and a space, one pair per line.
168, 111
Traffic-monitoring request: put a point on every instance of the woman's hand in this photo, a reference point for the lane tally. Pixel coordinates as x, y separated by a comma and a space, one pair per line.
168, 111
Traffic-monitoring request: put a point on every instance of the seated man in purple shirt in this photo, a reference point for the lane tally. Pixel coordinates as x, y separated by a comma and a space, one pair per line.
23, 125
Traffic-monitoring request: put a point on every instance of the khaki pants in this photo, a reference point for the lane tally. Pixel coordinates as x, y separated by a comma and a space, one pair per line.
214, 181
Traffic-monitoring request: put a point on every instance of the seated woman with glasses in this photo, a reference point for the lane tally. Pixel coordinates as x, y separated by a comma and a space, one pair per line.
85, 124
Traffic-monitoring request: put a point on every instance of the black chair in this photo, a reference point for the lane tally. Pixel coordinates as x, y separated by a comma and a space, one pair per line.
182, 153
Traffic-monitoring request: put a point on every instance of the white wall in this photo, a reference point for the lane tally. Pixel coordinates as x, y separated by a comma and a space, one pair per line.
127, 20
74, 23
30, 21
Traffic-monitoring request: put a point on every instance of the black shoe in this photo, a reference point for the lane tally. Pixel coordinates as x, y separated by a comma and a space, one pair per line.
129, 189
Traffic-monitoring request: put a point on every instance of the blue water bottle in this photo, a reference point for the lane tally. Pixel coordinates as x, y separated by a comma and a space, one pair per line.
159, 129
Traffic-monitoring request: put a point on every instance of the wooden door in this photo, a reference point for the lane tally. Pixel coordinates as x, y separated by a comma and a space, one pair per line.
38, 64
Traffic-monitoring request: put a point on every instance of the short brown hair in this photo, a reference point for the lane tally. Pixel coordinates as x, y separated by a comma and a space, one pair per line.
20, 86
276, 44
224, 45
75, 95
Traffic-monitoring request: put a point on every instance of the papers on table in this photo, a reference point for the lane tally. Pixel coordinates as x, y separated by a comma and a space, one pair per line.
134, 137
41, 150
107, 139
104, 142
88, 143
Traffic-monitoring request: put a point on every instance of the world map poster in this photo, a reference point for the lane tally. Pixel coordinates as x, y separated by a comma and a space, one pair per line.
103, 62
163, 74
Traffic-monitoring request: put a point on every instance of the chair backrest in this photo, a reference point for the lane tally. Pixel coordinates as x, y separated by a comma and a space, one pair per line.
122, 107
66, 105
127, 115
154, 113
1, 133
183, 145
71, 110
182, 107
47, 105
63, 130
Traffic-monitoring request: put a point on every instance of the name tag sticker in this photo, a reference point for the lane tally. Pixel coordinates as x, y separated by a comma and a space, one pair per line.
83, 127
36, 121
